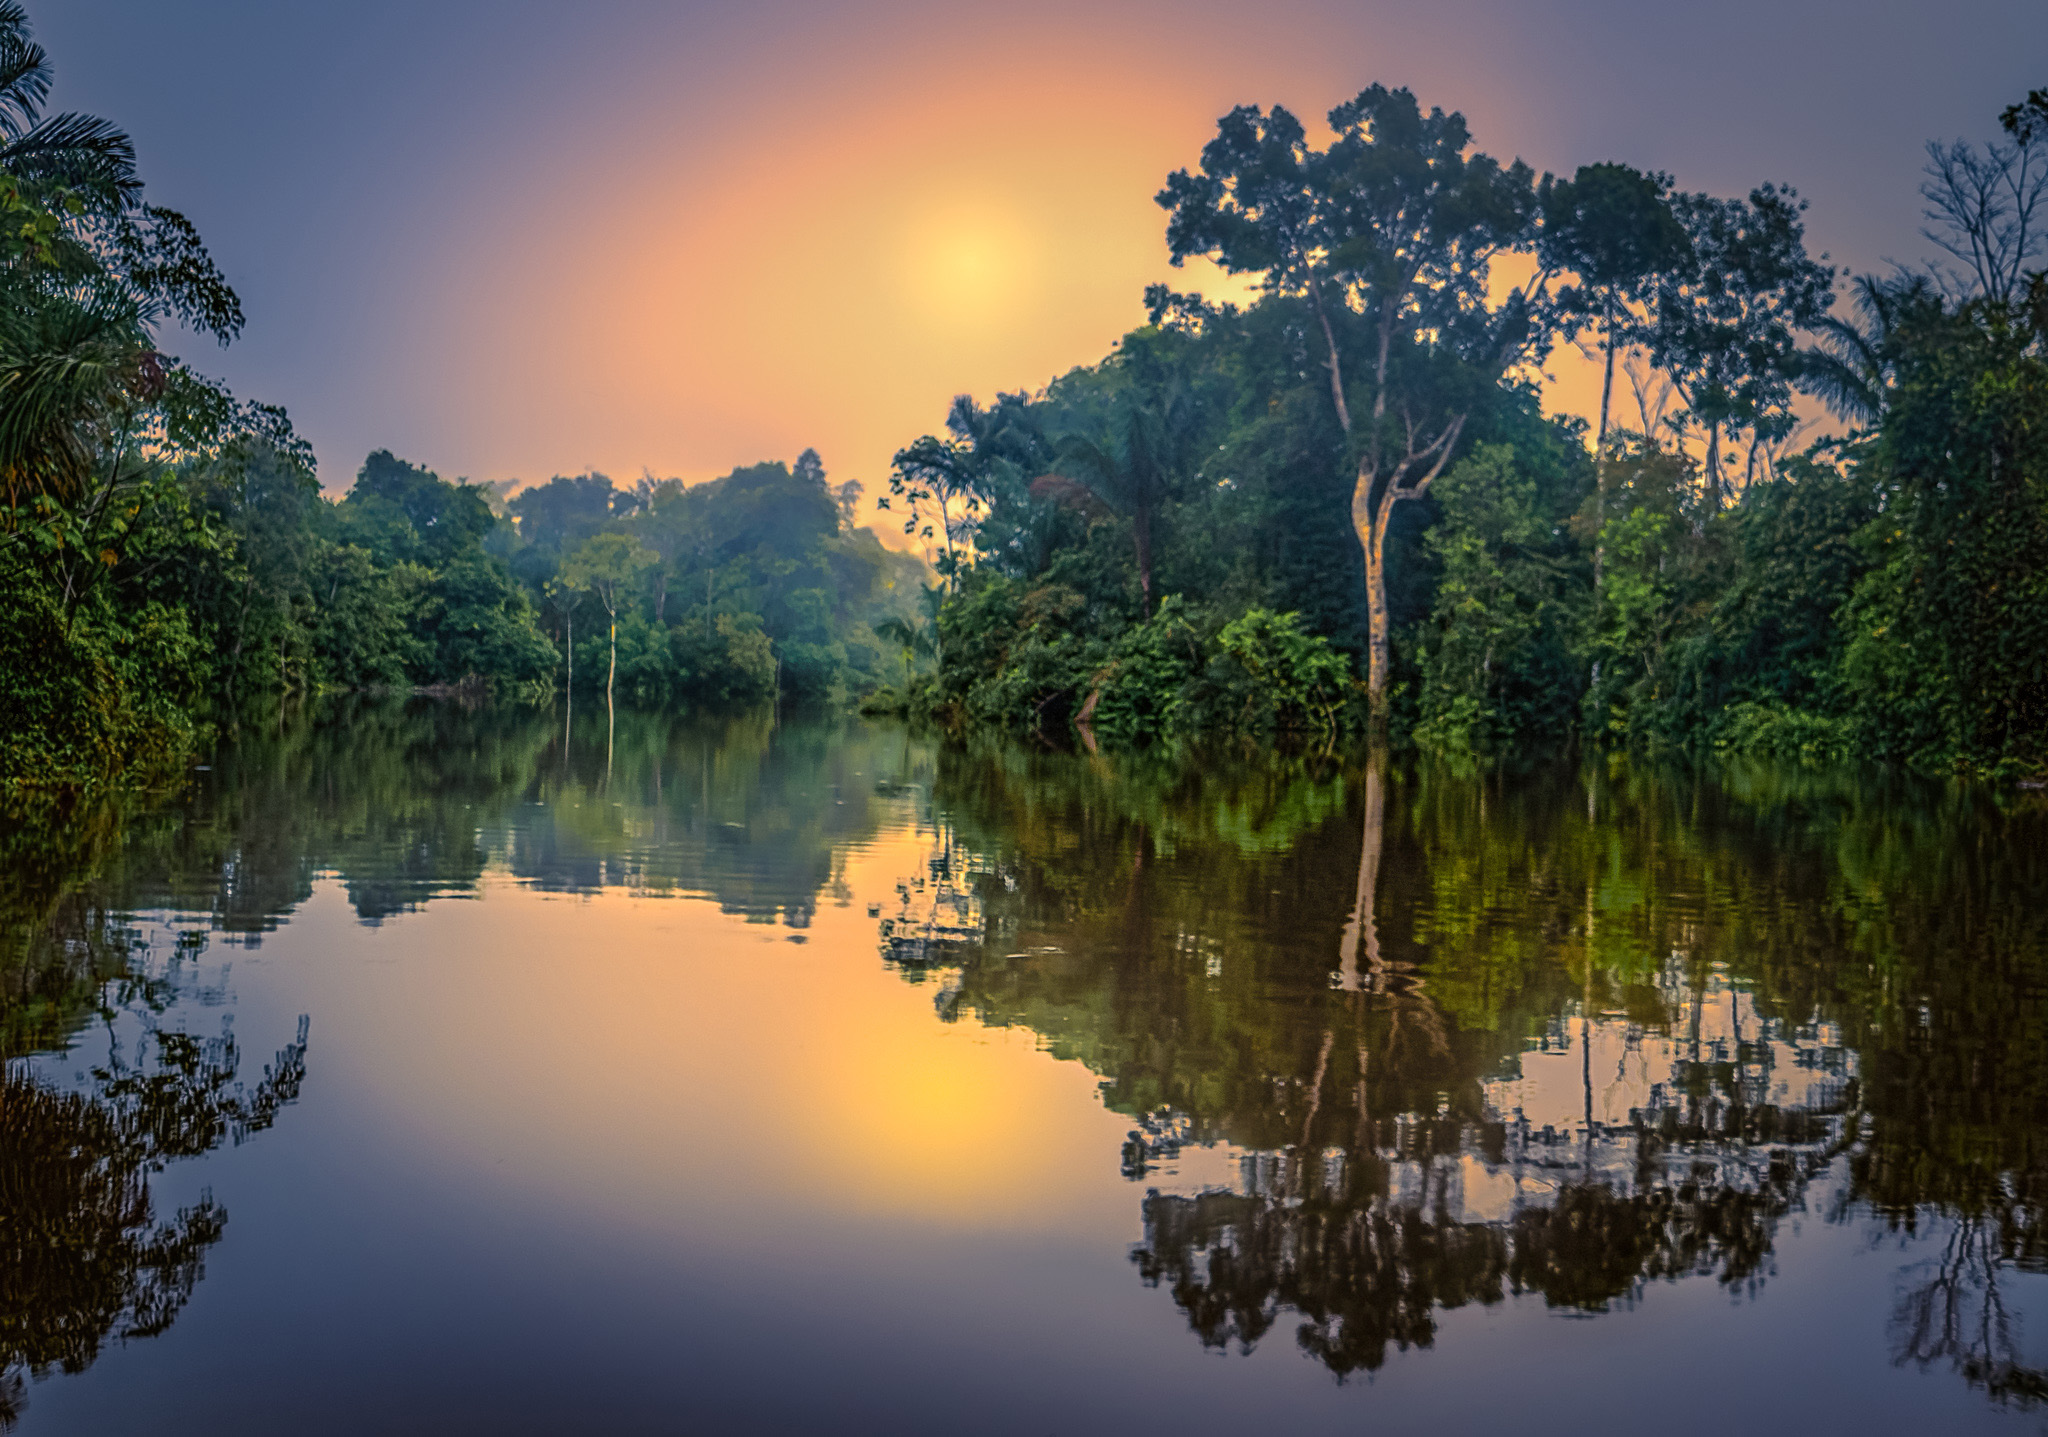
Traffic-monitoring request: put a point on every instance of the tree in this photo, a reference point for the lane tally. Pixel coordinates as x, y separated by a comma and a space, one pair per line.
1499, 669
945, 484
1947, 630
606, 565
1612, 228
1725, 322
847, 496
1387, 237
1134, 466
1985, 207
1853, 366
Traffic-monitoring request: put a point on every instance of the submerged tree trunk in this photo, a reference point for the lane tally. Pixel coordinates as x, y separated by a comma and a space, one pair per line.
611, 717
569, 686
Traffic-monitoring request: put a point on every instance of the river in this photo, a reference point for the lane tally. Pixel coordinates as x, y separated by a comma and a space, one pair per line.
419, 1068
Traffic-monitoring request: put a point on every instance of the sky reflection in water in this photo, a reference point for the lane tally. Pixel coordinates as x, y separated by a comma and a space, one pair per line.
759, 1076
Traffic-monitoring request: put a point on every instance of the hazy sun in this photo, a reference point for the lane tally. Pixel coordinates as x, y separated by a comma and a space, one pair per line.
967, 263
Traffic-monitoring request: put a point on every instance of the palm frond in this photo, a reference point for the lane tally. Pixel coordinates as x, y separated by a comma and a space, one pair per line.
24, 72
92, 157
1846, 389
65, 370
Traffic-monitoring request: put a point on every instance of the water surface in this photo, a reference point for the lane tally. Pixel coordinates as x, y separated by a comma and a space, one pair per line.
423, 1069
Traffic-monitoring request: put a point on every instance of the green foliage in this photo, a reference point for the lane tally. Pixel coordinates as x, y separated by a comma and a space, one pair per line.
1949, 626
101, 693
1772, 730
1204, 532
1268, 675
1500, 661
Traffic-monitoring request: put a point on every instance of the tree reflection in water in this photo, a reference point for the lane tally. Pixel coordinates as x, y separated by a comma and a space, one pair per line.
86, 1258
1468, 1037
404, 802
1392, 1040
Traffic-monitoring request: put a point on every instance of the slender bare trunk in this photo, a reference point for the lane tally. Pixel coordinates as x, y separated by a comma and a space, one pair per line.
1141, 533
1379, 649
1315, 294
1372, 517
1600, 459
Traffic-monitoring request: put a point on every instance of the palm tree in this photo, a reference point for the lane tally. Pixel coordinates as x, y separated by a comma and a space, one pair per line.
77, 304
88, 156
1133, 468
918, 640
1853, 368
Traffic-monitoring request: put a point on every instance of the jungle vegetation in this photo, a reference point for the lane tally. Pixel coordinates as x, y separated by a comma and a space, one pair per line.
167, 556
1343, 502
1340, 505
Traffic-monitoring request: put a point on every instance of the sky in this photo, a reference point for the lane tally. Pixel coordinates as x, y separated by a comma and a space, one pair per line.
508, 240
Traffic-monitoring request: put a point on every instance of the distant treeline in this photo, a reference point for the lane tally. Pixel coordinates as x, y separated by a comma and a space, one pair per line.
166, 555
1338, 507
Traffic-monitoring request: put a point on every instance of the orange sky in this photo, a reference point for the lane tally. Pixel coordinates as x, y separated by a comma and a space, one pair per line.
829, 283
508, 239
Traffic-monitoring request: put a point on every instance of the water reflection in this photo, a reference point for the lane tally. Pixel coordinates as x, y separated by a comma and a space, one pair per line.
411, 802
1571, 1035
86, 1256
1391, 1041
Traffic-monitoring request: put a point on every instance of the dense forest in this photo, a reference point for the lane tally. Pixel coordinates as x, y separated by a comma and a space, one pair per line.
1344, 503
1337, 507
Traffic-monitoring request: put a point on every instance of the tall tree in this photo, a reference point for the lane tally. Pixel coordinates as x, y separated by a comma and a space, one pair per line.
606, 565
1853, 366
1987, 209
1387, 237
1726, 322
948, 483
1612, 228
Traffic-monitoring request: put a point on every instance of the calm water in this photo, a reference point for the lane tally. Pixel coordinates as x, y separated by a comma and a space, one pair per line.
416, 1072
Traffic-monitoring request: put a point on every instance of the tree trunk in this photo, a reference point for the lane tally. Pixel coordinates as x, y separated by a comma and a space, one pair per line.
1714, 461
1600, 459
1141, 533
1372, 537
611, 717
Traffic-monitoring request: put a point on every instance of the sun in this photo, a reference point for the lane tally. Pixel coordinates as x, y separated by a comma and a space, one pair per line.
968, 263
